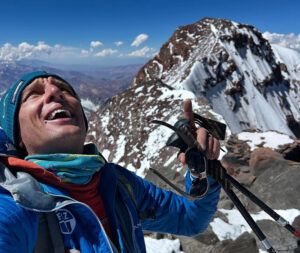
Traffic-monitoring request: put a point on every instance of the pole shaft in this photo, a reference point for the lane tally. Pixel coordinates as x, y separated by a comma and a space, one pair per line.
255, 199
249, 220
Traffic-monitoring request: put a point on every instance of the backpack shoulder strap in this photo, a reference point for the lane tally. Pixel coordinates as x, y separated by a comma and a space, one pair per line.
49, 239
123, 181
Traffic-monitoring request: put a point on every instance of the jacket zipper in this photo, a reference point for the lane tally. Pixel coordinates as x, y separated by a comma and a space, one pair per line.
74, 202
136, 246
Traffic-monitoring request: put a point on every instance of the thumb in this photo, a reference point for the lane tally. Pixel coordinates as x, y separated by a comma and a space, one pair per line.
188, 113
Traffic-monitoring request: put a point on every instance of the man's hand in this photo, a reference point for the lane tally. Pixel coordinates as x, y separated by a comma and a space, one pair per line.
210, 145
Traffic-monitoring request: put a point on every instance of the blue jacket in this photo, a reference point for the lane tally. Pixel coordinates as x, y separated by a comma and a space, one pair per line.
22, 197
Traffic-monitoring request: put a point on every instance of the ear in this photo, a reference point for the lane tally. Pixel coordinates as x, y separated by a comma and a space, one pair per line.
21, 145
22, 149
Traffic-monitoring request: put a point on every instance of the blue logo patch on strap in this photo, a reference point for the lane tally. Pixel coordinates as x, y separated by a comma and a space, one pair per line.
66, 220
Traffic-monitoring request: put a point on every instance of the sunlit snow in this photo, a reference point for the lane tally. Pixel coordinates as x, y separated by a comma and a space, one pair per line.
237, 225
269, 139
88, 104
162, 245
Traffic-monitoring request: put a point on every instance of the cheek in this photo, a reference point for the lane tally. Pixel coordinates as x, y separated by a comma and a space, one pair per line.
25, 117
22, 119
30, 109
24, 125
79, 112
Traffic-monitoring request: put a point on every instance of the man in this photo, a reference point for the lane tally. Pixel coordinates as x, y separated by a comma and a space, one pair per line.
99, 207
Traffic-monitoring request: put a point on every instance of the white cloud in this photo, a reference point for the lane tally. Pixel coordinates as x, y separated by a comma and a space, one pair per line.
144, 52
119, 43
96, 44
61, 47
84, 52
24, 50
43, 47
286, 40
139, 40
61, 53
106, 52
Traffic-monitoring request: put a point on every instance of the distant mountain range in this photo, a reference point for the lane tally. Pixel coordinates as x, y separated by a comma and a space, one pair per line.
95, 84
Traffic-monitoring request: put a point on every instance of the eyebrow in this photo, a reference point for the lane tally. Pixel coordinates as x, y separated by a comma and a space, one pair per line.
28, 88
55, 81
62, 83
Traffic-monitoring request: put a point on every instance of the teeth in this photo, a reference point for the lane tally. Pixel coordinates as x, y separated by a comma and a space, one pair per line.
54, 113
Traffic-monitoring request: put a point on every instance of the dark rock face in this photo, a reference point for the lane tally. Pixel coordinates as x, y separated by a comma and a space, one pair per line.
291, 151
296, 223
244, 243
281, 240
238, 151
277, 184
262, 159
293, 125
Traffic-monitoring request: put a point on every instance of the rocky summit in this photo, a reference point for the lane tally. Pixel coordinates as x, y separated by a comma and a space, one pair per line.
252, 84
233, 75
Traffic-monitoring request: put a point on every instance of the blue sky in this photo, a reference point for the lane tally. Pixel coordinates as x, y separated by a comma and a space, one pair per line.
86, 32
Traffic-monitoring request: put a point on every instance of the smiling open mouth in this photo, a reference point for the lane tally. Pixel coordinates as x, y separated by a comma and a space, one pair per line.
59, 114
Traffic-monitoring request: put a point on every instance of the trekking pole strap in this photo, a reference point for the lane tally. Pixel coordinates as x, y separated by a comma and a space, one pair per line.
218, 172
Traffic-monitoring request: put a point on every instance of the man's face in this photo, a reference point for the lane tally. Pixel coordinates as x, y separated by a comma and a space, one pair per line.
50, 118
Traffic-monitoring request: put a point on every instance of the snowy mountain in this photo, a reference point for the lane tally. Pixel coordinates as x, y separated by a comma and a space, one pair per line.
233, 75
252, 84
123, 128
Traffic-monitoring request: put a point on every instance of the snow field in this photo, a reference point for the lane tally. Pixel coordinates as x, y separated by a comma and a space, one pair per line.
237, 225
271, 139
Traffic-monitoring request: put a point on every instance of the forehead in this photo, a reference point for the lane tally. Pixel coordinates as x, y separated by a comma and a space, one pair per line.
41, 81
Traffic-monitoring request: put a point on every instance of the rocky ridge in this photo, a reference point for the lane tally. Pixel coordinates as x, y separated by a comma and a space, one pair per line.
125, 133
236, 70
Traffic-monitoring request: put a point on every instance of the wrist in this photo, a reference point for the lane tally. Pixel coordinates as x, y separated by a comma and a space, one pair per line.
193, 176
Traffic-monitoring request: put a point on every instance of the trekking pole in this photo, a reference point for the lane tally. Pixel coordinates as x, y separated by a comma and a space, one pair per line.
255, 228
279, 219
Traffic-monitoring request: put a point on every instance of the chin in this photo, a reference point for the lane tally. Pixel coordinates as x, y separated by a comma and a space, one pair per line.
68, 139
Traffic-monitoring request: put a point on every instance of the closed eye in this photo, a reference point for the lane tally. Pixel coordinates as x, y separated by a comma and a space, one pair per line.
66, 89
30, 95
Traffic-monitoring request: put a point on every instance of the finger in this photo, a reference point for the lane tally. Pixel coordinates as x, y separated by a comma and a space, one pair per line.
209, 148
188, 113
202, 138
216, 149
181, 158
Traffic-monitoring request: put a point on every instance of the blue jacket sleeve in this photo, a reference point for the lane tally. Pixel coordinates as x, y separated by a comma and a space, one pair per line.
174, 214
18, 227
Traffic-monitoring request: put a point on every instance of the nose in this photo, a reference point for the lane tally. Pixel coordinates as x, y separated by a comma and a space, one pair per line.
52, 92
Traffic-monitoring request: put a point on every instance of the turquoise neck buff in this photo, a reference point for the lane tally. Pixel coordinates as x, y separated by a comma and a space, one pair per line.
71, 168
